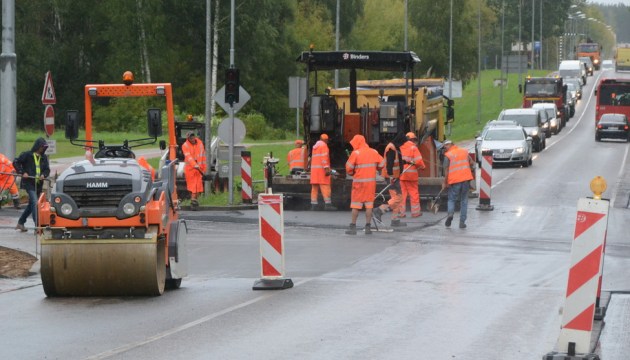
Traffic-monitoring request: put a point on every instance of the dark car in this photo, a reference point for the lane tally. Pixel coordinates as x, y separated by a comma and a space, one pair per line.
613, 126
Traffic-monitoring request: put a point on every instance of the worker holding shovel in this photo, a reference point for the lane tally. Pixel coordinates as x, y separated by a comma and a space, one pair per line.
391, 172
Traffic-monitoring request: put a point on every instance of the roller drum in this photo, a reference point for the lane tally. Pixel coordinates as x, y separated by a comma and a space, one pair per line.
103, 267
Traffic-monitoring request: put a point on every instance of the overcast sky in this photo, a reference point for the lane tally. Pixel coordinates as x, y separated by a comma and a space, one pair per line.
611, 2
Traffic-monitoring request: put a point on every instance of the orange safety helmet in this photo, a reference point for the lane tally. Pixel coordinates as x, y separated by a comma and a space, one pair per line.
299, 142
323, 137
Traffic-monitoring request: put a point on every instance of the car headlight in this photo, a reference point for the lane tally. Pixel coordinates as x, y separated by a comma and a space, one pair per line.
519, 150
129, 208
66, 209
546, 125
535, 132
554, 122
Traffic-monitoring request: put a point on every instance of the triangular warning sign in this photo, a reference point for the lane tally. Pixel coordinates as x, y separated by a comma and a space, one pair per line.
48, 96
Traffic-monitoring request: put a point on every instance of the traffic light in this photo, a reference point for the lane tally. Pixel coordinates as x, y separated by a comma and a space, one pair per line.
231, 86
450, 111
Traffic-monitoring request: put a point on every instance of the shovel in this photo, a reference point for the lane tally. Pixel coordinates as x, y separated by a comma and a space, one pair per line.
434, 205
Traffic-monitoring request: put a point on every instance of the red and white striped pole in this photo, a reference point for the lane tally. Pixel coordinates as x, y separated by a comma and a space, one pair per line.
485, 184
271, 224
246, 177
587, 253
600, 311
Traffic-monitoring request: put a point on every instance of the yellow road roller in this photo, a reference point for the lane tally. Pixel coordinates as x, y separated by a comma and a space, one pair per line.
109, 227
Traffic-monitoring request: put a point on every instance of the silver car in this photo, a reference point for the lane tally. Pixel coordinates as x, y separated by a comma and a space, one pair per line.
509, 145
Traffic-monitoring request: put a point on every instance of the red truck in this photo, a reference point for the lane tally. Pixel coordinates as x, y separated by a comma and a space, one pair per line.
591, 50
547, 89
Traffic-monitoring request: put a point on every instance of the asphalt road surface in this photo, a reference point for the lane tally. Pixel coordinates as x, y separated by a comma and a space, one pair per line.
492, 291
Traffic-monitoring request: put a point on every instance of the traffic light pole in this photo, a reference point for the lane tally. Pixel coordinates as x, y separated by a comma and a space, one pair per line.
231, 162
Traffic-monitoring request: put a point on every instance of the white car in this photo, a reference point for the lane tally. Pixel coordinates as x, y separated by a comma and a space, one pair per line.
608, 65
509, 145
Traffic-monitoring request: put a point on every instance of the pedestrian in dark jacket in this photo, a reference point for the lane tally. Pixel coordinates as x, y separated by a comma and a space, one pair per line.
33, 167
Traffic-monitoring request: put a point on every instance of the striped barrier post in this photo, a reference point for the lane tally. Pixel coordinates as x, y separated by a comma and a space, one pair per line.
600, 311
485, 184
246, 177
587, 253
271, 225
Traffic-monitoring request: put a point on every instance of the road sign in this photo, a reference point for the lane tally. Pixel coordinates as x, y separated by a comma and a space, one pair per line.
49, 120
48, 96
52, 147
243, 95
225, 131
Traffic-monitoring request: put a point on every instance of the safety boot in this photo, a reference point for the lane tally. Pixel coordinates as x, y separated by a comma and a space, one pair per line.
16, 203
352, 229
329, 207
368, 229
449, 219
194, 205
462, 225
397, 223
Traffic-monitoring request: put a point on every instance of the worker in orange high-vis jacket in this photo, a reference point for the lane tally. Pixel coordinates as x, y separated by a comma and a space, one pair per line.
195, 158
296, 158
145, 164
409, 178
459, 167
391, 173
363, 164
320, 173
7, 180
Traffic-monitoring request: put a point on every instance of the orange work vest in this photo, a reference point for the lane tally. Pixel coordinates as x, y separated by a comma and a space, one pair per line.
413, 159
320, 160
396, 167
459, 166
295, 158
194, 155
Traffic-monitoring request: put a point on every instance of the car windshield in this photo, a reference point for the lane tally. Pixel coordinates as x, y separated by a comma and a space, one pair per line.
551, 113
504, 134
588, 47
528, 120
586, 60
616, 119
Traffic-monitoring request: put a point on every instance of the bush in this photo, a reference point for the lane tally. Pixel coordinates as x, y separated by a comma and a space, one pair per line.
256, 127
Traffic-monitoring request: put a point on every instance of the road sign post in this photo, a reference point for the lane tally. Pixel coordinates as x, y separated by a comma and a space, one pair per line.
243, 98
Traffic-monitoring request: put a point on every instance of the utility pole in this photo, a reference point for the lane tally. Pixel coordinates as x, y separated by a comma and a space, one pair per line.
337, 44
520, 45
450, 64
502, 54
208, 110
479, 64
8, 81
231, 147
533, 53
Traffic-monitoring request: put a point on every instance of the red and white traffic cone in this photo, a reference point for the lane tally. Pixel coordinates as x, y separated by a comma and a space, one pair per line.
485, 184
271, 224
246, 177
587, 253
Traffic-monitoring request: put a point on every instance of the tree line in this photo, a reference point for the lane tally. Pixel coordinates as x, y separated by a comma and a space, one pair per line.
84, 42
